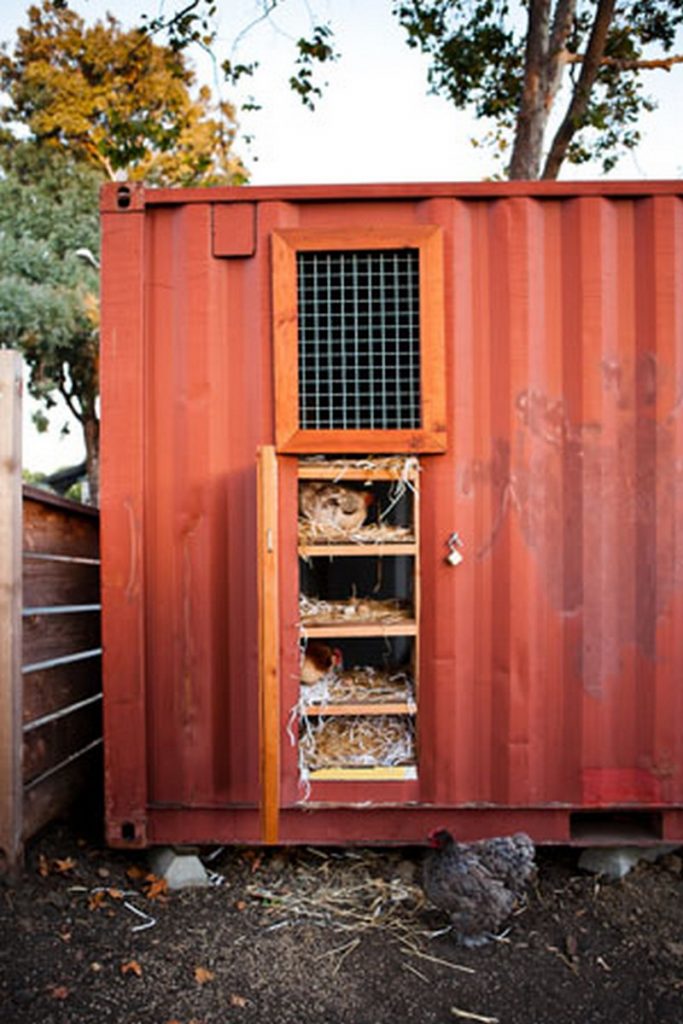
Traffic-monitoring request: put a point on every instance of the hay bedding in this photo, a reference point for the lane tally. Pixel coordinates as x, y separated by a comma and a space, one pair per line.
356, 742
401, 467
366, 685
354, 610
312, 533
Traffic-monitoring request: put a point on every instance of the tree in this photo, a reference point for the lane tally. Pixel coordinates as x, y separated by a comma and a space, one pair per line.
571, 69
48, 293
117, 100
84, 104
516, 62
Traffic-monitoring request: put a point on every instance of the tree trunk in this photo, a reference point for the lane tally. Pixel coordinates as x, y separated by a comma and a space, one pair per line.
543, 64
582, 90
533, 114
91, 433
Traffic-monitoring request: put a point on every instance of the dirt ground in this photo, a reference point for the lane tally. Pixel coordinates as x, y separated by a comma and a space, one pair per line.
327, 937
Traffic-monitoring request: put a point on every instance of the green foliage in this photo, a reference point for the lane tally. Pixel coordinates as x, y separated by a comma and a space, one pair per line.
48, 294
317, 50
116, 100
478, 50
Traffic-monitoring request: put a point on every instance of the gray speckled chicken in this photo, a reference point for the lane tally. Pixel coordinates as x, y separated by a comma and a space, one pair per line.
508, 858
477, 884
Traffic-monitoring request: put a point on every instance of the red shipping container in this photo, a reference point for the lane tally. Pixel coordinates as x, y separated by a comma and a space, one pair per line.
535, 406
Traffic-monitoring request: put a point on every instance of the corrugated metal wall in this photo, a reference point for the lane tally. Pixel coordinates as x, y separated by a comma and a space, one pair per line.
560, 663
551, 659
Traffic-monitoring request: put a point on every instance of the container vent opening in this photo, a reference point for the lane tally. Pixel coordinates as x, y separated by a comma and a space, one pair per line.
123, 197
128, 831
619, 827
359, 339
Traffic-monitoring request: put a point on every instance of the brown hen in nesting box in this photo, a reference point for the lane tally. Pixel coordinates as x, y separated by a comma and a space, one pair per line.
334, 505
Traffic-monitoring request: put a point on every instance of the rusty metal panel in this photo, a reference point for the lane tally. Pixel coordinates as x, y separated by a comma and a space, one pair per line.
551, 657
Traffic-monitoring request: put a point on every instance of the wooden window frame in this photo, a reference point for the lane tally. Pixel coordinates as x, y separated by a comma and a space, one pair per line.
431, 435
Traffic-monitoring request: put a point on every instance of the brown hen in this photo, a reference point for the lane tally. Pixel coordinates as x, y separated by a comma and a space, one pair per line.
334, 505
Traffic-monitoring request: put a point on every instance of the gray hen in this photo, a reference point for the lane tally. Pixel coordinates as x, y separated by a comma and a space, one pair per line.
508, 858
477, 884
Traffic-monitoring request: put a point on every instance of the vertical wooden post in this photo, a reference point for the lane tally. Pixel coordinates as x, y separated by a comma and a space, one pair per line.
10, 610
269, 640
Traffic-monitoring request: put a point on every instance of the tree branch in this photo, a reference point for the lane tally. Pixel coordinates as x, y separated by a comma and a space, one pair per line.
581, 95
665, 63
68, 397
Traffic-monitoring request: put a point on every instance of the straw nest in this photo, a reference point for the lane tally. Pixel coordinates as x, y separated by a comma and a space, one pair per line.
365, 685
311, 533
315, 611
399, 466
351, 742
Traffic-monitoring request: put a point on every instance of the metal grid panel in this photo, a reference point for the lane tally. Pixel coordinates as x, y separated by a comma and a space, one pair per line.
359, 339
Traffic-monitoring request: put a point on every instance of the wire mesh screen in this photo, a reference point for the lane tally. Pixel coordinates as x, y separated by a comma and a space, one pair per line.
359, 339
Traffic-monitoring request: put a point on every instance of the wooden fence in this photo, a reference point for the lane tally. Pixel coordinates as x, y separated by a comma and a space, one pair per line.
50, 648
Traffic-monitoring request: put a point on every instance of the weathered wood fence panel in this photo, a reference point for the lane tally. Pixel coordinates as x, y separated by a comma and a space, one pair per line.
50, 646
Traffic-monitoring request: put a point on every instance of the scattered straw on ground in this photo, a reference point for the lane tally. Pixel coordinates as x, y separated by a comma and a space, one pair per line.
349, 892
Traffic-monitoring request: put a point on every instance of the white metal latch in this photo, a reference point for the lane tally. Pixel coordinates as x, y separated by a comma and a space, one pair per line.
454, 543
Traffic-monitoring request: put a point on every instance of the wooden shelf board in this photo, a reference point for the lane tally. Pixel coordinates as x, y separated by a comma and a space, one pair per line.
340, 629
359, 550
378, 773
396, 708
311, 471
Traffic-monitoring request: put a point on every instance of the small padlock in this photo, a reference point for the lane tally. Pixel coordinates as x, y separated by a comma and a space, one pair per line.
454, 557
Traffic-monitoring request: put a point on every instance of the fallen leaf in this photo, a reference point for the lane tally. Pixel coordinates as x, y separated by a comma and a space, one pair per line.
202, 975
43, 865
96, 899
115, 894
240, 905
59, 992
61, 866
65, 935
236, 1000
156, 888
131, 967
135, 872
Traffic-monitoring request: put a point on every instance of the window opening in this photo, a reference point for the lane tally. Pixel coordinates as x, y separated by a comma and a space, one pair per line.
359, 339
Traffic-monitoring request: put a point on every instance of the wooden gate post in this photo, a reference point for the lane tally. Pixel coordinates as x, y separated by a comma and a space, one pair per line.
10, 610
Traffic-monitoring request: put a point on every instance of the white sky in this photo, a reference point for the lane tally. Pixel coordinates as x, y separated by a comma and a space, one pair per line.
375, 123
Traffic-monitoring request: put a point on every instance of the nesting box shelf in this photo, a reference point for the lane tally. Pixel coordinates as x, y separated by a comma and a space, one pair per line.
374, 773
397, 708
334, 550
347, 577
340, 631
